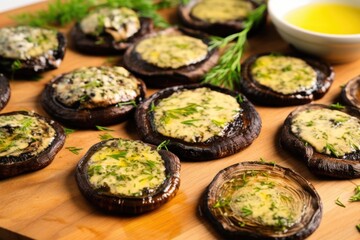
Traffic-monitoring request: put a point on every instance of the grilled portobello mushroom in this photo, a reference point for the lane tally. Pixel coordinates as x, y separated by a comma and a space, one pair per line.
171, 57
276, 79
26, 50
91, 96
199, 122
128, 177
4, 91
350, 94
107, 31
326, 138
218, 17
28, 142
257, 200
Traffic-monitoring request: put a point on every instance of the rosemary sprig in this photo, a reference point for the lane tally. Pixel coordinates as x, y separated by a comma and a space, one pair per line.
60, 13
227, 72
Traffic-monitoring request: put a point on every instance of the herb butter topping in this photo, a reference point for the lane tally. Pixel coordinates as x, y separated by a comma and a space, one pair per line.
92, 87
195, 115
220, 10
172, 51
24, 134
25, 42
328, 131
126, 167
261, 198
284, 74
120, 23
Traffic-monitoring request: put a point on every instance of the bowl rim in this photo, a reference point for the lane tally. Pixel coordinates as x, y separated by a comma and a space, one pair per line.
274, 16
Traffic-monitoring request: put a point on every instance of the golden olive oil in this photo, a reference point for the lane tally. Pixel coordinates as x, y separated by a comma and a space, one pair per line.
330, 18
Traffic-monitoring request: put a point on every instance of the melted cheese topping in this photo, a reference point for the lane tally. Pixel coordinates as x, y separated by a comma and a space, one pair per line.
221, 11
172, 51
195, 115
126, 167
23, 134
328, 131
120, 23
25, 42
92, 87
283, 74
261, 198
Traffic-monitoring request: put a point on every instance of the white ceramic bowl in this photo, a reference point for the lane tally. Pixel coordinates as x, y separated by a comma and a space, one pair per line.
335, 48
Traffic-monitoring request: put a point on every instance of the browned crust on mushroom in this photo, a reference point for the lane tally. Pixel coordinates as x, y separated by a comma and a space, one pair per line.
13, 166
159, 77
309, 221
124, 204
321, 164
4, 91
83, 117
220, 28
90, 44
240, 134
35, 65
350, 94
263, 95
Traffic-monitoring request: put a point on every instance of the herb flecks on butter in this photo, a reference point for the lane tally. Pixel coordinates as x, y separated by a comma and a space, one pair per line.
92, 87
195, 115
126, 167
284, 74
24, 134
120, 23
261, 198
221, 11
172, 51
25, 42
329, 131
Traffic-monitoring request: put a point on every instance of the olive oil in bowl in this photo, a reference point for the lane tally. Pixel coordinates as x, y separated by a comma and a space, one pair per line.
328, 18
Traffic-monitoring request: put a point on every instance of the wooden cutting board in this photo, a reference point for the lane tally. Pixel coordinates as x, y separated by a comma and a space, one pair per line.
48, 205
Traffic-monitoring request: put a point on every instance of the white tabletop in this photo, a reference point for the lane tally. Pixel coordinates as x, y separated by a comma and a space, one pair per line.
6, 5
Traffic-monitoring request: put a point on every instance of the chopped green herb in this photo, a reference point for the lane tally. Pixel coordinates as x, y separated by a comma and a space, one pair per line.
105, 136
246, 211
222, 203
163, 145
152, 107
190, 122
119, 155
337, 106
132, 102
339, 203
74, 150
330, 148
358, 227
100, 128
68, 131
16, 65
356, 196
240, 98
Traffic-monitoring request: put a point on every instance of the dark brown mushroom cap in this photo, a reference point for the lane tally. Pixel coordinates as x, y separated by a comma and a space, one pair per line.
350, 94
4, 91
90, 44
126, 204
263, 95
83, 117
160, 77
12, 166
321, 164
238, 135
219, 28
35, 65
310, 218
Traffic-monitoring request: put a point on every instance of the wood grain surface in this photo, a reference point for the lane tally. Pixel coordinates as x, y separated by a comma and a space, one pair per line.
47, 204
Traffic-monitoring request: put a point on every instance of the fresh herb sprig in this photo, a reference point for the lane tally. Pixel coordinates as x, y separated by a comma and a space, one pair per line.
61, 13
356, 196
339, 203
227, 72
